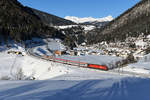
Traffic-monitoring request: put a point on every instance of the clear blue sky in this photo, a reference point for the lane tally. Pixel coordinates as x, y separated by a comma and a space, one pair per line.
81, 8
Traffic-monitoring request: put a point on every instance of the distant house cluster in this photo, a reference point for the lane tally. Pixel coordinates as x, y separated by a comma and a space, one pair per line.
137, 47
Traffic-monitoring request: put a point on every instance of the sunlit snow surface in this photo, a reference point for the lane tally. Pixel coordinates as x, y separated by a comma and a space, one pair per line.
63, 82
42, 69
105, 89
88, 19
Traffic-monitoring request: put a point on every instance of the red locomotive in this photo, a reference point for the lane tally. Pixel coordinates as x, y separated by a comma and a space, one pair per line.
102, 67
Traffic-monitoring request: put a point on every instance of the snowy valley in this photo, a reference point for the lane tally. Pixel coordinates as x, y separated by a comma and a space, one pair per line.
46, 57
44, 80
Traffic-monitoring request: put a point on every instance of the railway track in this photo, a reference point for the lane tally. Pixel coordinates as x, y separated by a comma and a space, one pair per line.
84, 65
57, 60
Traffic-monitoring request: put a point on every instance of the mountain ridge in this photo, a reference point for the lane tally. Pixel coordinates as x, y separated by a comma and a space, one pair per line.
21, 23
133, 22
88, 19
50, 19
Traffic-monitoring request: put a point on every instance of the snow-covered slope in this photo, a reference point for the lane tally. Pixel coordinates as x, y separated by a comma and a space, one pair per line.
105, 89
58, 81
30, 66
40, 69
142, 66
86, 27
88, 19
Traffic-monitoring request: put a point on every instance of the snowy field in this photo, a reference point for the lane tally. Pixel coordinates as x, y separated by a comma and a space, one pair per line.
54, 81
57, 81
141, 67
86, 27
31, 67
109, 61
41, 69
105, 89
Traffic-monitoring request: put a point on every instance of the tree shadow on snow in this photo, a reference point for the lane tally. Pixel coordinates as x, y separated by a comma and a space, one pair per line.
123, 89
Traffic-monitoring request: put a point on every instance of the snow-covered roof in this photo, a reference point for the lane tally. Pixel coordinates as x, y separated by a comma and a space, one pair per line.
88, 27
56, 46
148, 36
140, 43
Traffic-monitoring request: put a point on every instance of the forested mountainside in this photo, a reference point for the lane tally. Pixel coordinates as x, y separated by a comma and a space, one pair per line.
50, 19
20, 23
96, 24
133, 22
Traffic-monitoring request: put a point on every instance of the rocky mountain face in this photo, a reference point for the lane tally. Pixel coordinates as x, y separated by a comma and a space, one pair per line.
133, 22
21, 23
51, 20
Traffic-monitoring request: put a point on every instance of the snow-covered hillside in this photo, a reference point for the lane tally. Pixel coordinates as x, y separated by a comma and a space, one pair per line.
88, 19
12, 66
86, 27
103, 89
31, 67
54, 81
